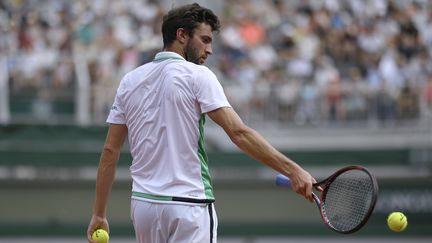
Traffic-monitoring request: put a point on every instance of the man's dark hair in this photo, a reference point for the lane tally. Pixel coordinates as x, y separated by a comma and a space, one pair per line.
187, 17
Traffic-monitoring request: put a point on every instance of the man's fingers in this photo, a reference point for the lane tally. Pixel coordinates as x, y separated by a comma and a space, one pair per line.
309, 192
306, 191
89, 236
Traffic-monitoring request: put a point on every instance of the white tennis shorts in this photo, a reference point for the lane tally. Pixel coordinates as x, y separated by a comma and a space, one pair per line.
173, 223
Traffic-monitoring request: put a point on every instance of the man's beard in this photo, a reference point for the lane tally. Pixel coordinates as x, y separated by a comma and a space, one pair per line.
191, 54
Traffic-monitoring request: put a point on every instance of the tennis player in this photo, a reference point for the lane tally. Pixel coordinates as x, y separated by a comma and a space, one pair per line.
161, 107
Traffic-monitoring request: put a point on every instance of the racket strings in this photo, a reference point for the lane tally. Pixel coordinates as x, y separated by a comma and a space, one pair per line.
348, 200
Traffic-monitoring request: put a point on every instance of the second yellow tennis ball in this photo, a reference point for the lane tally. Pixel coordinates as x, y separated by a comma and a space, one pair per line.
397, 221
101, 236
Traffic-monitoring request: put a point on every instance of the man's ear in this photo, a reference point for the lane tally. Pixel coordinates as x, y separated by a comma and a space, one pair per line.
182, 35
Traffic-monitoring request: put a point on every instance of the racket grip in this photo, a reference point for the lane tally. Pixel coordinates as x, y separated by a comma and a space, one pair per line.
283, 181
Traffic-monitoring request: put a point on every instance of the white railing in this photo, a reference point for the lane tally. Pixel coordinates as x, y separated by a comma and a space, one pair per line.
82, 91
4, 91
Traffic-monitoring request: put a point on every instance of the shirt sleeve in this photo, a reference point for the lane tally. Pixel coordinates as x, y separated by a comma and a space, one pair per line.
209, 91
117, 114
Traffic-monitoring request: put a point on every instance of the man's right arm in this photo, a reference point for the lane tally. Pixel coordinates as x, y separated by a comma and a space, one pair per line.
254, 145
106, 172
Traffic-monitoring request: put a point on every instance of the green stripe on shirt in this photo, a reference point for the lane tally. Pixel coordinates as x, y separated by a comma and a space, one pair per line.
205, 174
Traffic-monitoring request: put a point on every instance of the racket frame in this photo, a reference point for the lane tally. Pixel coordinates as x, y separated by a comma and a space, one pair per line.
323, 187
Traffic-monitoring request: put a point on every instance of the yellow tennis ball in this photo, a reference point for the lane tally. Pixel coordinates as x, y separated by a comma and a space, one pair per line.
101, 236
397, 221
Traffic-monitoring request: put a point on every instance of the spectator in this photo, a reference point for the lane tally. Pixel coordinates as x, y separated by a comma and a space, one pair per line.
427, 96
334, 107
407, 104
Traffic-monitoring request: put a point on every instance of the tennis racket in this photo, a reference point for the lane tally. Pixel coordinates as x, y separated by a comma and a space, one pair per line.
347, 198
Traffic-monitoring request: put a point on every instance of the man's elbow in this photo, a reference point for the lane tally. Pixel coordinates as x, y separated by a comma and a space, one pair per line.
110, 150
110, 154
239, 134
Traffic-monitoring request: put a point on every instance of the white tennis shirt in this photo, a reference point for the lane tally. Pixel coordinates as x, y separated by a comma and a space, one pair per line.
163, 103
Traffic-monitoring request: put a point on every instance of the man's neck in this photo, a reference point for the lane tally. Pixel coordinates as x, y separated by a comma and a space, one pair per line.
175, 48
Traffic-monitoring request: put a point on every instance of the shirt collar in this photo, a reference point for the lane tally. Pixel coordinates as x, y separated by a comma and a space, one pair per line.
164, 55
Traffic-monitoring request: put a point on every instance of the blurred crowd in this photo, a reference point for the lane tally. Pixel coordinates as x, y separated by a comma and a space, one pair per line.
317, 61
299, 61
52, 45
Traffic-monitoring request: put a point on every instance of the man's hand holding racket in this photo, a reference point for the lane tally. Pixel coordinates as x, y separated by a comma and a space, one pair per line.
302, 182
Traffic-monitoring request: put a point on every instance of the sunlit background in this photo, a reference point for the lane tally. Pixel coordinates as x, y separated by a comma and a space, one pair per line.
328, 82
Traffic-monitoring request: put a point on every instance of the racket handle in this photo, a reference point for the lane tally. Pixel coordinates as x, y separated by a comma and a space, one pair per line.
283, 181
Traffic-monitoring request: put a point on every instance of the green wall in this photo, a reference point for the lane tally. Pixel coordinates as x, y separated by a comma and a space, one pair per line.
58, 201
